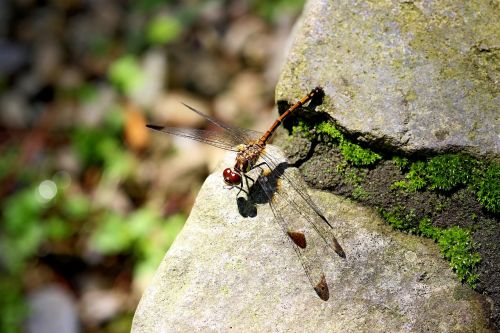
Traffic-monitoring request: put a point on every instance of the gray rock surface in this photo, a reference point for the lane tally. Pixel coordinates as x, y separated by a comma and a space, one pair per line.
226, 273
414, 75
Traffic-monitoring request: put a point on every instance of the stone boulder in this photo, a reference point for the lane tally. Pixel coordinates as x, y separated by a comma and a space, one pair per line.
227, 272
416, 76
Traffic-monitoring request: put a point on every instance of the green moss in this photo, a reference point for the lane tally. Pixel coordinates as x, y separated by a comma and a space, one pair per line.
352, 153
457, 247
399, 219
488, 188
359, 193
415, 178
355, 177
455, 243
445, 173
448, 172
426, 229
401, 162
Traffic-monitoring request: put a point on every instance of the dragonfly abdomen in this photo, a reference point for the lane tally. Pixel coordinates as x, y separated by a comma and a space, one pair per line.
315, 92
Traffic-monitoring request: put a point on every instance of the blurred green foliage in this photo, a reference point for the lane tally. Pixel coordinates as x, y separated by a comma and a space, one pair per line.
11, 304
149, 5
163, 29
31, 221
142, 233
271, 10
125, 74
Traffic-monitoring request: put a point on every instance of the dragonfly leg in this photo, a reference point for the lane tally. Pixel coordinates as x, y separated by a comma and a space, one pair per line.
247, 183
240, 187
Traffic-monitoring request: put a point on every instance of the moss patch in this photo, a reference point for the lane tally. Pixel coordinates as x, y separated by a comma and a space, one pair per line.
328, 133
450, 171
456, 243
451, 198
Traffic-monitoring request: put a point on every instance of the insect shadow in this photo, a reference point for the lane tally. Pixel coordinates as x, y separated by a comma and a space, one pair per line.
247, 206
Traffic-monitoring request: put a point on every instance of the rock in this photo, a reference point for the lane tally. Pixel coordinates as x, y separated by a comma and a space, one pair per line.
416, 76
52, 309
226, 272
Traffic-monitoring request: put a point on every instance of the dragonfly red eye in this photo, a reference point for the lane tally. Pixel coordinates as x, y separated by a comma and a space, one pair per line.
231, 177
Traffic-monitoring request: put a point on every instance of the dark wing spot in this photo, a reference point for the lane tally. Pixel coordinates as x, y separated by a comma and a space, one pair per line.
338, 248
155, 127
298, 238
321, 289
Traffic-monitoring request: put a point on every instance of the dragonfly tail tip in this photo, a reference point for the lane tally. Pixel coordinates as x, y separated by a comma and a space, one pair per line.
321, 289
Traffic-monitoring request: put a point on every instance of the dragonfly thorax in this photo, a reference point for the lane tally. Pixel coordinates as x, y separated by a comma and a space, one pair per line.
247, 157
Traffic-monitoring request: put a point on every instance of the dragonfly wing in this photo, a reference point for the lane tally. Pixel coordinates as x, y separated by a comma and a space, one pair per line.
304, 245
220, 139
239, 135
316, 219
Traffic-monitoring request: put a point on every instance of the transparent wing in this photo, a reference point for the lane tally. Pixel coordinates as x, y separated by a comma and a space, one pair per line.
220, 139
239, 135
227, 139
315, 217
290, 220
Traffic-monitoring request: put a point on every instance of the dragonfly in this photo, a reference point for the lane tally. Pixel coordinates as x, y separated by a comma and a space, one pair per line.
302, 221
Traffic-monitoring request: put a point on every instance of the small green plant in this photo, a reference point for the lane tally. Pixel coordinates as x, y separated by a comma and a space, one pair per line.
415, 178
353, 153
426, 229
359, 193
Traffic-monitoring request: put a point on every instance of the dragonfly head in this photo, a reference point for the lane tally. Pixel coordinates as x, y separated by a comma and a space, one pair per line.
231, 177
